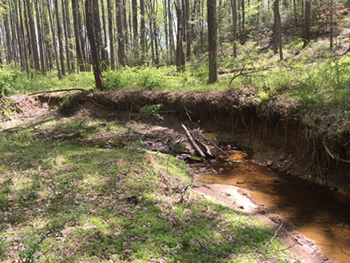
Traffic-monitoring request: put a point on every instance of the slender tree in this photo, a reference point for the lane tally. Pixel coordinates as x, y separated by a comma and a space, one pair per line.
79, 44
121, 39
34, 44
59, 35
59, 73
92, 29
234, 33
180, 55
110, 32
212, 38
307, 34
277, 30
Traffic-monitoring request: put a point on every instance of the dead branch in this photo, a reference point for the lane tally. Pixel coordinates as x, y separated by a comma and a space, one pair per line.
207, 249
192, 141
58, 90
331, 155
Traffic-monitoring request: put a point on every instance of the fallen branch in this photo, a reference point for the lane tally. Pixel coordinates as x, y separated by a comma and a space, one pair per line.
192, 141
207, 249
331, 155
58, 90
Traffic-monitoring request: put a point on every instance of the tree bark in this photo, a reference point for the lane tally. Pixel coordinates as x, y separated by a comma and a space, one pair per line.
180, 55
277, 29
65, 26
171, 34
54, 42
33, 36
307, 34
212, 38
60, 43
92, 35
234, 17
111, 36
143, 30
79, 44
121, 40
40, 38
135, 27
188, 30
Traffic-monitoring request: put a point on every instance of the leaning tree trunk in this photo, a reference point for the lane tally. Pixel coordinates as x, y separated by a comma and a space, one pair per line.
212, 38
91, 31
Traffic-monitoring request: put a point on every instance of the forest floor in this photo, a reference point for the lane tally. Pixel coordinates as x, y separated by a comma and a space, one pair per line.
57, 208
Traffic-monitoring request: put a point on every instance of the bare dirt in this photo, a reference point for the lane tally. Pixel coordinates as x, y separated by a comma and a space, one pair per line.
271, 135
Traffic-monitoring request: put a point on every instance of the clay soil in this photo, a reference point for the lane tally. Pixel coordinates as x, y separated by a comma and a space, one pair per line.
270, 134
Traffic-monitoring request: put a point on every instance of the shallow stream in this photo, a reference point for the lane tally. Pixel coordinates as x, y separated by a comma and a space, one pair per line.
315, 211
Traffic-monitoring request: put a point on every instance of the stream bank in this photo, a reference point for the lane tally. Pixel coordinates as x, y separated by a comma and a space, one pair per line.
272, 138
273, 129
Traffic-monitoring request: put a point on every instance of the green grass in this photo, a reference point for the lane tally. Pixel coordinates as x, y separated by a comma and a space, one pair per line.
64, 201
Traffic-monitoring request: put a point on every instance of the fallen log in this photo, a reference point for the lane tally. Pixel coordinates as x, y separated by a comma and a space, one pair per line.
192, 141
58, 90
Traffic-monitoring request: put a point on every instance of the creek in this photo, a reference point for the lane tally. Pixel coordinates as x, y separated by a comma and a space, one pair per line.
320, 214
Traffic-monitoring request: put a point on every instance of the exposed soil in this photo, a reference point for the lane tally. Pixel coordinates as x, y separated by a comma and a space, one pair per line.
271, 134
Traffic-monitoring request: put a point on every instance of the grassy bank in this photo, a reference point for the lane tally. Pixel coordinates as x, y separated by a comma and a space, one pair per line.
68, 196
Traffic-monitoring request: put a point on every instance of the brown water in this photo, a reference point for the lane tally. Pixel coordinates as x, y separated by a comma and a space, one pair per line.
318, 213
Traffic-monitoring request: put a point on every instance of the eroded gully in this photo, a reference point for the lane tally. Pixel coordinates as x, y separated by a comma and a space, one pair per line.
319, 213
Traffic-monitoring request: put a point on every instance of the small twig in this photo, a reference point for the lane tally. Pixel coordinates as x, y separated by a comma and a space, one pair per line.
272, 238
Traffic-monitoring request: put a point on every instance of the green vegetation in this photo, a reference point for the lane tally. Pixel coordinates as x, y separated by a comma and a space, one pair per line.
64, 200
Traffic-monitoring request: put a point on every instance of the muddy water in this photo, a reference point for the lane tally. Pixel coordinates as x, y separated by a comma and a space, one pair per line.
318, 213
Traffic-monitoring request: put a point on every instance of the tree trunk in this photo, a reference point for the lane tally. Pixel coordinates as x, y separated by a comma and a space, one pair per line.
54, 42
212, 38
59, 35
111, 36
40, 38
171, 34
242, 32
79, 44
125, 26
165, 19
23, 38
69, 34
92, 35
121, 40
19, 37
307, 35
180, 55
135, 27
65, 26
104, 54
33, 36
234, 17
188, 29
143, 30
277, 29
295, 13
